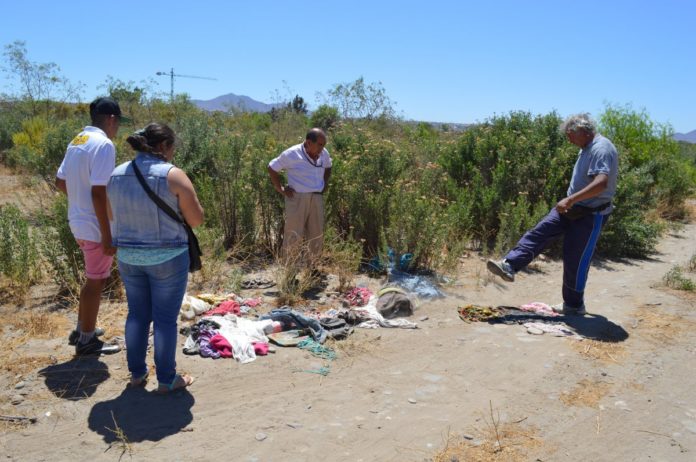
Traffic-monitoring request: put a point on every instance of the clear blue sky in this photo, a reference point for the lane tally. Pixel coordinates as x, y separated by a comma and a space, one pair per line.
450, 61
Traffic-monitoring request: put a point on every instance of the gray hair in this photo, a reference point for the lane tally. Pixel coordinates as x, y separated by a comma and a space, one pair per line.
579, 122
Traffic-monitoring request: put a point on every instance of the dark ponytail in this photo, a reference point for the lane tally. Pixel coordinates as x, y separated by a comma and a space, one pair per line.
148, 138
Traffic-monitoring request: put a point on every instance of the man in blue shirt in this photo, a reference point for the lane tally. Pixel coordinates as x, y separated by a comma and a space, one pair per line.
579, 217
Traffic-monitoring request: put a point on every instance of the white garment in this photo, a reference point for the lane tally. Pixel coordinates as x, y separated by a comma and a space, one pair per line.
89, 160
304, 175
377, 320
241, 333
556, 329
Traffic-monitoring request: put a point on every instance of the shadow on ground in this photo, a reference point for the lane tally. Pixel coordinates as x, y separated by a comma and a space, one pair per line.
591, 326
137, 415
76, 379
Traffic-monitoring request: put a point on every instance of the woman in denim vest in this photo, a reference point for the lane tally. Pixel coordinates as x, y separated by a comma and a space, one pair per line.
153, 251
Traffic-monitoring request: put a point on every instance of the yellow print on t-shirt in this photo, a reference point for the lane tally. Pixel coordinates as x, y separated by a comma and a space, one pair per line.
79, 139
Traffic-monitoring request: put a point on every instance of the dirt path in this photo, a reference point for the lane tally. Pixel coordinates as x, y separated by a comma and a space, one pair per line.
398, 394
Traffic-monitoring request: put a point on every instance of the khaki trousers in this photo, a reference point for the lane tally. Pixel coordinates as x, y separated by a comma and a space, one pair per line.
304, 220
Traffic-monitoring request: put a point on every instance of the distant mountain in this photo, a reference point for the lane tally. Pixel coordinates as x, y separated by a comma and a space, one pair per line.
231, 101
688, 137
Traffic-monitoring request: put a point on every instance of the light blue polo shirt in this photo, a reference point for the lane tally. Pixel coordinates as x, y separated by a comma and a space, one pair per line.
599, 156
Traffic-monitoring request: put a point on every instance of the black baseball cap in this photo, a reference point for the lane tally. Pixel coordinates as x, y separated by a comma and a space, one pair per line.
107, 106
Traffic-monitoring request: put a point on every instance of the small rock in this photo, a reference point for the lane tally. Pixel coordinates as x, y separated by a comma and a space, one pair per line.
20, 385
17, 399
535, 331
468, 437
423, 318
412, 401
261, 436
117, 368
294, 425
604, 374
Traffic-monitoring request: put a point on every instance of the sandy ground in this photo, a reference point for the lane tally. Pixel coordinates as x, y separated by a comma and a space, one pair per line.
440, 392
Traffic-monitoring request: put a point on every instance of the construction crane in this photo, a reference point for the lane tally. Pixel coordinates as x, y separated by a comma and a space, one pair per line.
171, 74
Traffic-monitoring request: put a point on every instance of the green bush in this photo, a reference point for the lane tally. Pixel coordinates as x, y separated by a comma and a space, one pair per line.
676, 280
18, 254
59, 248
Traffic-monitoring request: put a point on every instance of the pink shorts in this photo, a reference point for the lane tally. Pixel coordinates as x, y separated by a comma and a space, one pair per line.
97, 265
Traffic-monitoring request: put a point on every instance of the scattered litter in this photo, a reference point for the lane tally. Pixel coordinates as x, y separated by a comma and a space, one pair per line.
473, 313
323, 371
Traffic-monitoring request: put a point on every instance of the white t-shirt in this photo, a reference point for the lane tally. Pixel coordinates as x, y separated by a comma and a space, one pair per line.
89, 161
304, 175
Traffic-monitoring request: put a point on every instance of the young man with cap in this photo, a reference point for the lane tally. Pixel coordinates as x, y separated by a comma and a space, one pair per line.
89, 160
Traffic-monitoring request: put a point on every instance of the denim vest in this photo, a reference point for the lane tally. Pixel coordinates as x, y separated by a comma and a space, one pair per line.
137, 221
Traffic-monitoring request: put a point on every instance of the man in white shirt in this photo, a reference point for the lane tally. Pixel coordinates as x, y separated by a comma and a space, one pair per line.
308, 168
89, 160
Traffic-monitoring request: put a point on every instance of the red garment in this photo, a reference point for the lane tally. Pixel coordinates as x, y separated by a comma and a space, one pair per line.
359, 296
220, 344
260, 348
230, 306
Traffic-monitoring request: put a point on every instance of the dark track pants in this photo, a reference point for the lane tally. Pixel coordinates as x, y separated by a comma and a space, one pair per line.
580, 240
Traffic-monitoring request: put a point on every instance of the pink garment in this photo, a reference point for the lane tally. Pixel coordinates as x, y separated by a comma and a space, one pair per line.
260, 348
221, 345
359, 296
97, 263
539, 308
230, 306
252, 302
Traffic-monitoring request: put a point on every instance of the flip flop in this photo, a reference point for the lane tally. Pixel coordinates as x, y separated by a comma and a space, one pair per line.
141, 381
180, 382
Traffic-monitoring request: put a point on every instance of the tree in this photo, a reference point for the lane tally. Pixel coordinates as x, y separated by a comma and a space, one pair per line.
357, 100
325, 117
38, 82
298, 105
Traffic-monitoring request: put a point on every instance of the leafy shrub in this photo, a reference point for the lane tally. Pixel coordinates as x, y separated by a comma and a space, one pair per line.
59, 248
18, 253
676, 280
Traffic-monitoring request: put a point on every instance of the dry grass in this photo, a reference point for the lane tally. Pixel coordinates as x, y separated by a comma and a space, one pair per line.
359, 343
587, 394
122, 442
517, 443
17, 364
112, 318
607, 352
658, 327
38, 324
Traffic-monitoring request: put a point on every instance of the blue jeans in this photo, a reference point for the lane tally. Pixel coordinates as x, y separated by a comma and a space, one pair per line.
579, 242
154, 295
